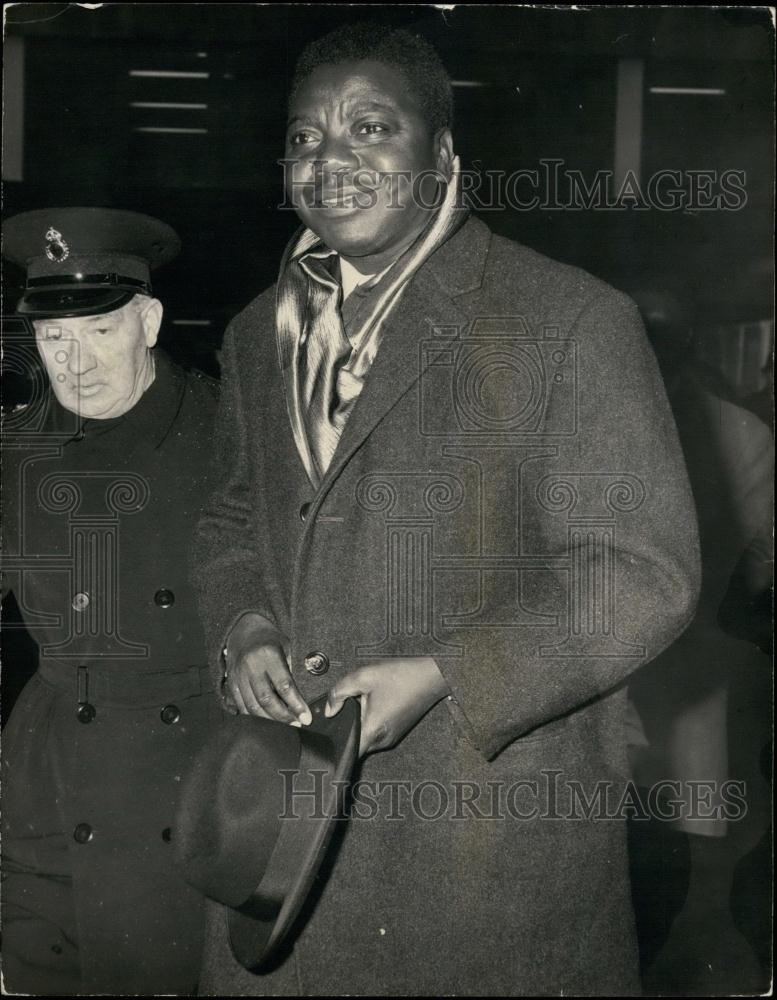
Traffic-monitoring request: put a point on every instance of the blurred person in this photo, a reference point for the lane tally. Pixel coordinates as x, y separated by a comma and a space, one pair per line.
684, 728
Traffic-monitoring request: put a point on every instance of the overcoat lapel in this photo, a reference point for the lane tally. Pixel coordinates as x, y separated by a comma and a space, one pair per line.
427, 303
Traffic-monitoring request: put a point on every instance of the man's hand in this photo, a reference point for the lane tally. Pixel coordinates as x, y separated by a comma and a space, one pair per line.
258, 680
394, 694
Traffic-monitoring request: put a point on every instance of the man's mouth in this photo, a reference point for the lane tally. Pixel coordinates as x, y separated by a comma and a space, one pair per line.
89, 390
336, 196
344, 199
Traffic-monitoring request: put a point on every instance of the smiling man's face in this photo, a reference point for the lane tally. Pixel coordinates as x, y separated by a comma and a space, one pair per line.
356, 138
100, 366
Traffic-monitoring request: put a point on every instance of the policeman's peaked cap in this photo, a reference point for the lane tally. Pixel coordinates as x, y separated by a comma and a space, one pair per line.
85, 261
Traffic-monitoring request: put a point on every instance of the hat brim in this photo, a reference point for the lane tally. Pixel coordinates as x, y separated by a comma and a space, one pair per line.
257, 928
61, 303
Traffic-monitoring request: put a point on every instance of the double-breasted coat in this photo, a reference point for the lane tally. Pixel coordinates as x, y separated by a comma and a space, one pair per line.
98, 520
508, 496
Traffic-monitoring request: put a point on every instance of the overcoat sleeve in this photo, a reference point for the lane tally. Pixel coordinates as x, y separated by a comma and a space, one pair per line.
225, 560
507, 682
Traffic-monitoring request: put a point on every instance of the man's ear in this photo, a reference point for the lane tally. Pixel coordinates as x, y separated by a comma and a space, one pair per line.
151, 318
444, 143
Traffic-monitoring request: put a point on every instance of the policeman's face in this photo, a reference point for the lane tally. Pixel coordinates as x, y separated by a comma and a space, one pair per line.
100, 366
358, 144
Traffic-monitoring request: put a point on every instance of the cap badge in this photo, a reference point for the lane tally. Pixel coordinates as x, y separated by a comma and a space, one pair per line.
56, 248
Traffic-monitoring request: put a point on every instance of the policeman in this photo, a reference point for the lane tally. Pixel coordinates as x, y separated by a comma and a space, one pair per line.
105, 475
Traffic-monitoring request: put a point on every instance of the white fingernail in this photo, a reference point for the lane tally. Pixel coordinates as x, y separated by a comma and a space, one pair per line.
306, 718
296, 724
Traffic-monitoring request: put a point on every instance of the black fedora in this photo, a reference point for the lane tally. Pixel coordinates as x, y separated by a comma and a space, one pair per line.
255, 816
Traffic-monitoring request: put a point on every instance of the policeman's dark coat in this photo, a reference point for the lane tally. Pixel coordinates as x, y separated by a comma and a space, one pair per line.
532, 902
111, 780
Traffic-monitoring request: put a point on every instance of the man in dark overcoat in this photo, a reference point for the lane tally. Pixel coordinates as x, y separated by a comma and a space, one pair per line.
451, 488
105, 475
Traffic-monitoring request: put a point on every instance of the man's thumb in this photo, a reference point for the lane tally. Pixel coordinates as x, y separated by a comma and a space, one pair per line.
346, 688
334, 703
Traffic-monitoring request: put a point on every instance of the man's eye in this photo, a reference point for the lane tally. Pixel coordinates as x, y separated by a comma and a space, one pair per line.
103, 329
301, 139
372, 128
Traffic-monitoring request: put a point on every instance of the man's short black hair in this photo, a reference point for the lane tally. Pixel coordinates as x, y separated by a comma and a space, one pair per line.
412, 55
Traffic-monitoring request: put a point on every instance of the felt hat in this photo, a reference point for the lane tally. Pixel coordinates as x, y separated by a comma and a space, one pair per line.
255, 816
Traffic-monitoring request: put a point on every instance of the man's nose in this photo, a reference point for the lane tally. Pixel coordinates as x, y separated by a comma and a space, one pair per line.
80, 357
336, 156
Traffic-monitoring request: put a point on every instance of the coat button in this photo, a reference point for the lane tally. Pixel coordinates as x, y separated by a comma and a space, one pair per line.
83, 833
170, 714
304, 511
316, 664
80, 602
167, 834
86, 712
164, 598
